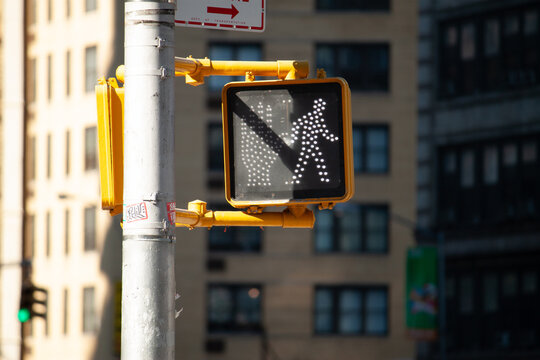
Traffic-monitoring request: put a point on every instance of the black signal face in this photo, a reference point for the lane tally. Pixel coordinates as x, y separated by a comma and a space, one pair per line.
286, 142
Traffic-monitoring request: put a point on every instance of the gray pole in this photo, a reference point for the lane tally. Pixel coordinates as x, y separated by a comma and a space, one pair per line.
148, 283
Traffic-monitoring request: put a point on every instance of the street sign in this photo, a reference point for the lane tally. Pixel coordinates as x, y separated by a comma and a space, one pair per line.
240, 15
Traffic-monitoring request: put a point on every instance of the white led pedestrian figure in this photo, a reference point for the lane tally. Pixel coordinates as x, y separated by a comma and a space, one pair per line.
309, 131
260, 147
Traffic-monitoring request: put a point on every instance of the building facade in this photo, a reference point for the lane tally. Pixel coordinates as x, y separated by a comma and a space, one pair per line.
478, 167
334, 291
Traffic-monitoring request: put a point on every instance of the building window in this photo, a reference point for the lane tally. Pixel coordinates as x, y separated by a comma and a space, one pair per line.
489, 52
90, 68
352, 228
89, 322
32, 80
234, 308
48, 234
68, 151
491, 187
31, 13
370, 147
234, 239
90, 228
90, 148
467, 169
491, 165
231, 51
495, 306
49, 77
351, 310
66, 232
30, 248
66, 312
90, 5
49, 10
49, 156
365, 66
31, 158
215, 154
68, 73
358, 5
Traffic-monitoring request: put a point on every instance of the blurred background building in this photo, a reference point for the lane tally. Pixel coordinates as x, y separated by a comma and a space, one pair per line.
333, 292
478, 170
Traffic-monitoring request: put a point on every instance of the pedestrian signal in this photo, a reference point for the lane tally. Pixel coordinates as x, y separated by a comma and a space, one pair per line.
287, 142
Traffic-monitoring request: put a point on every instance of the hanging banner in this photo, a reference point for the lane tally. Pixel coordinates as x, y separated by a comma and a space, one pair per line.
422, 293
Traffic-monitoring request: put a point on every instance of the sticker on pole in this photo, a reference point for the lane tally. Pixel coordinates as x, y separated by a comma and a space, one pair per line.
135, 212
239, 15
171, 212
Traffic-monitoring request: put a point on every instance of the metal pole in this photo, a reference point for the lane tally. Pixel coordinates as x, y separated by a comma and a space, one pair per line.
148, 282
442, 296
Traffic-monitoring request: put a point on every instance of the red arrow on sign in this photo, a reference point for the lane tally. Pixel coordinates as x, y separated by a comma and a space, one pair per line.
226, 11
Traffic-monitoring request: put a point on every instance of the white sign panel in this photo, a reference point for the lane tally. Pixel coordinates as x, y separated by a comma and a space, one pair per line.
241, 15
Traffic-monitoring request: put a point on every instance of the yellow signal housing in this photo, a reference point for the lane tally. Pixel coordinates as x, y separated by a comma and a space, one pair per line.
287, 143
110, 111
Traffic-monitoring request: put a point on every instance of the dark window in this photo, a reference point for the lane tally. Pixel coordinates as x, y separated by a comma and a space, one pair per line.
364, 66
49, 10
48, 234
49, 156
89, 315
351, 310
235, 238
32, 80
90, 148
90, 5
68, 73
66, 312
31, 158
90, 228
493, 305
90, 68
231, 51
370, 147
32, 12
352, 228
488, 52
30, 233
490, 185
215, 155
359, 5
49, 77
234, 308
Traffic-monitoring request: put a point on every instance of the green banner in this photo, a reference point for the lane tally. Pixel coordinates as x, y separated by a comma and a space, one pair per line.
422, 293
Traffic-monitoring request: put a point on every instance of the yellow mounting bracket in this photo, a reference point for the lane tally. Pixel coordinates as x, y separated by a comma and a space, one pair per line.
197, 215
195, 70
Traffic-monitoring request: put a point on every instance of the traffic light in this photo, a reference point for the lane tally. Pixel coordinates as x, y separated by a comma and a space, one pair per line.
33, 303
287, 142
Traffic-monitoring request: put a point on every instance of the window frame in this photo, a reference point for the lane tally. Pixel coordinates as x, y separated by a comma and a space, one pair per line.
90, 233
505, 69
232, 327
364, 129
90, 70
363, 210
357, 83
343, 6
336, 293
